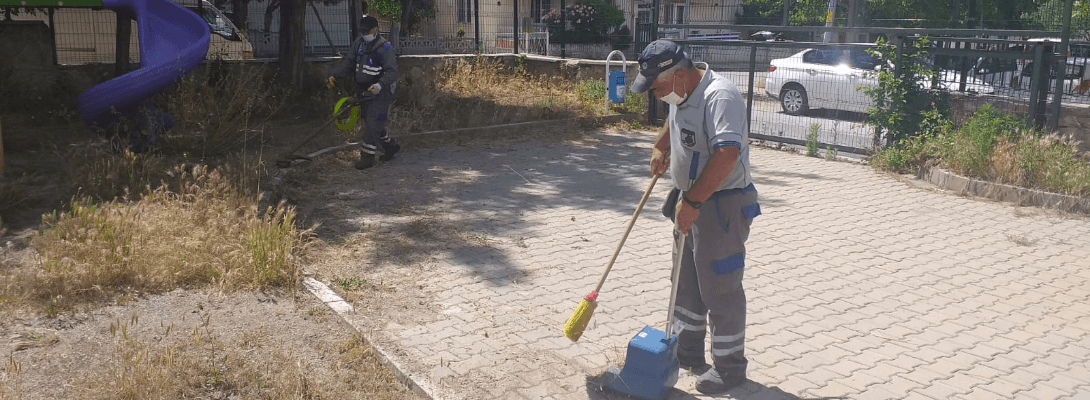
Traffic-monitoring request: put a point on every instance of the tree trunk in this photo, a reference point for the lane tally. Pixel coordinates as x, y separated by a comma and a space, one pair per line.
406, 8
292, 35
122, 40
242, 15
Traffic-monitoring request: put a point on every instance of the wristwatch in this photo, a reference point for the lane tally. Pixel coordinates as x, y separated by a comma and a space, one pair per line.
693, 204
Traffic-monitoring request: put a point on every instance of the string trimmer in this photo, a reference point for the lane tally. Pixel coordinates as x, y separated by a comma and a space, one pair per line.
345, 114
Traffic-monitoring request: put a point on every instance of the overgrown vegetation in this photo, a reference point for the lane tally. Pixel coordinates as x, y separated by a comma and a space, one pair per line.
992, 146
221, 111
206, 232
483, 92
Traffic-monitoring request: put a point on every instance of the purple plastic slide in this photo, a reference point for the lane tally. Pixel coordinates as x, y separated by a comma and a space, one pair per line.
173, 40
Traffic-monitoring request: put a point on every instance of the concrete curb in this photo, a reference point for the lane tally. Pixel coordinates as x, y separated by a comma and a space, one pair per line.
1005, 193
330, 298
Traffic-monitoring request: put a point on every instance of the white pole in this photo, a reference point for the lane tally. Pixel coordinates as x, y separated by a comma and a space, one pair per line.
829, 14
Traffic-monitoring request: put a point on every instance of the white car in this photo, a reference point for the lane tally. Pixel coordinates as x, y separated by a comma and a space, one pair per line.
834, 78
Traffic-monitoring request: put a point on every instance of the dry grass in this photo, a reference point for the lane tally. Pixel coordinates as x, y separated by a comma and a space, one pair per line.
996, 147
482, 92
221, 111
206, 233
165, 363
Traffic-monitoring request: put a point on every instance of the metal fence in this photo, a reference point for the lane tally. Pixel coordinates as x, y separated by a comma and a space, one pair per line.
804, 72
546, 27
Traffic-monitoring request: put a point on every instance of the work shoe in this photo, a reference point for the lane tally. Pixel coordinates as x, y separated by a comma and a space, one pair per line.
711, 383
389, 148
694, 365
365, 163
696, 369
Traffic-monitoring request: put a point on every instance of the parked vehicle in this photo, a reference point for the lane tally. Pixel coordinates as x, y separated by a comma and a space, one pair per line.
834, 78
227, 41
79, 40
1018, 74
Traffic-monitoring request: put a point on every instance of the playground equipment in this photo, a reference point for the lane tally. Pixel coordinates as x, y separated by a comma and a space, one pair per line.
173, 41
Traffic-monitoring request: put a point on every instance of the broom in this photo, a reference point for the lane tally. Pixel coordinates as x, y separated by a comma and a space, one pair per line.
579, 319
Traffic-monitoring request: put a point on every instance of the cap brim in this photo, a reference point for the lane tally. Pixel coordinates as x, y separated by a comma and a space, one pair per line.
642, 83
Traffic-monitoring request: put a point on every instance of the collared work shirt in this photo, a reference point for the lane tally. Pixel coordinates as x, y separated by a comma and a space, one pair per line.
713, 116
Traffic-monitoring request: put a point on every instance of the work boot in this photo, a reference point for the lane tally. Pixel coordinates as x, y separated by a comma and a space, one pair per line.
695, 365
389, 148
365, 162
712, 383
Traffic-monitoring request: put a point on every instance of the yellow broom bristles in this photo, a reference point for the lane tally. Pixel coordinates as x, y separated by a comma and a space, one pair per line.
579, 319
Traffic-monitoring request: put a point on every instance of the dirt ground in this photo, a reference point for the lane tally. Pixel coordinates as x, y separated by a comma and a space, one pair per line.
290, 339
377, 262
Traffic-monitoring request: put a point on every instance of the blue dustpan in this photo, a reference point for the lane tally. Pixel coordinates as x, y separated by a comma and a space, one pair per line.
651, 367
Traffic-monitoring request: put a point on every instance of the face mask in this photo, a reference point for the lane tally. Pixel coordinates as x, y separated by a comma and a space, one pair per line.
674, 99
368, 38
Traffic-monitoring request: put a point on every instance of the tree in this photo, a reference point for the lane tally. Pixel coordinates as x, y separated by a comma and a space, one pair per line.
1050, 16
996, 14
292, 35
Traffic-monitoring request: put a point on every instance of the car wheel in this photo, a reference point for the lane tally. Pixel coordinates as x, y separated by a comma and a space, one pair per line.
793, 100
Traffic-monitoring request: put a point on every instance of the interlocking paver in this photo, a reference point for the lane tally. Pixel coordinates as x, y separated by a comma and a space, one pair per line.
860, 286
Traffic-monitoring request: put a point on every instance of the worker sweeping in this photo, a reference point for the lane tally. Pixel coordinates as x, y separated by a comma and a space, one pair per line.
373, 64
705, 146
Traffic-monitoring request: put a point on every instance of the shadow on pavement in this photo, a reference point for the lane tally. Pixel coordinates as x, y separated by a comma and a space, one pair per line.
481, 191
748, 390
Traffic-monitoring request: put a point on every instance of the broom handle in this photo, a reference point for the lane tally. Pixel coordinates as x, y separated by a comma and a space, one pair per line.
627, 230
673, 287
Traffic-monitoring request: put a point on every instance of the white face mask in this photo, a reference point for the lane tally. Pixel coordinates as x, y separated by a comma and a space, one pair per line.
674, 99
368, 38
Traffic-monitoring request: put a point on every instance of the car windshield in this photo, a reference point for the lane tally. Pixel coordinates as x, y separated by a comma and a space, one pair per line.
217, 22
855, 58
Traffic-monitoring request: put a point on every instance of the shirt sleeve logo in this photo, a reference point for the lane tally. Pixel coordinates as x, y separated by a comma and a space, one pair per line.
688, 138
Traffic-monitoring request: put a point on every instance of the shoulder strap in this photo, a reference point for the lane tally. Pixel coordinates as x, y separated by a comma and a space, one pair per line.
378, 45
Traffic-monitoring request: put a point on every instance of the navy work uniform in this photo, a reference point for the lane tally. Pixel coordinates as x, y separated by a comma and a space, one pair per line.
374, 62
713, 255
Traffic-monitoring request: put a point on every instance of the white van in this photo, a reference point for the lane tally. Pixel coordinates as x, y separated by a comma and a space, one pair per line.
227, 41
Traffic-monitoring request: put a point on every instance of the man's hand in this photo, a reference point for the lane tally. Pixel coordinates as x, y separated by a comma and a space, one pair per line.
374, 89
330, 82
660, 161
685, 216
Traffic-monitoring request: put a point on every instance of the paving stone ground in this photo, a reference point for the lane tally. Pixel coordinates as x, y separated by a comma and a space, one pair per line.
860, 285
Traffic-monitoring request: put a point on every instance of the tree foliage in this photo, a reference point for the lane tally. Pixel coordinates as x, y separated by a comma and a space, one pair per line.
902, 101
995, 14
588, 21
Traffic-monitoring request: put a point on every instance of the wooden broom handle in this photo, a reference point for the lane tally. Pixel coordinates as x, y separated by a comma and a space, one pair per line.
627, 230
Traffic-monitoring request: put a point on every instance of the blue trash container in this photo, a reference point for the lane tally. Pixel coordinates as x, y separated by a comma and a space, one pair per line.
617, 86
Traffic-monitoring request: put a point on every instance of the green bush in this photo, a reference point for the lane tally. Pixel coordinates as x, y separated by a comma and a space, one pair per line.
592, 95
969, 151
991, 146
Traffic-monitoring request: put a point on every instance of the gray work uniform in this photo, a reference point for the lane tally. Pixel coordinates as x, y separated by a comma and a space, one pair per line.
370, 63
713, 255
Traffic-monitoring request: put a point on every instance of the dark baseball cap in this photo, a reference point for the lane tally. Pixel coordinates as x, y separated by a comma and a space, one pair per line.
658, 56
367, 23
